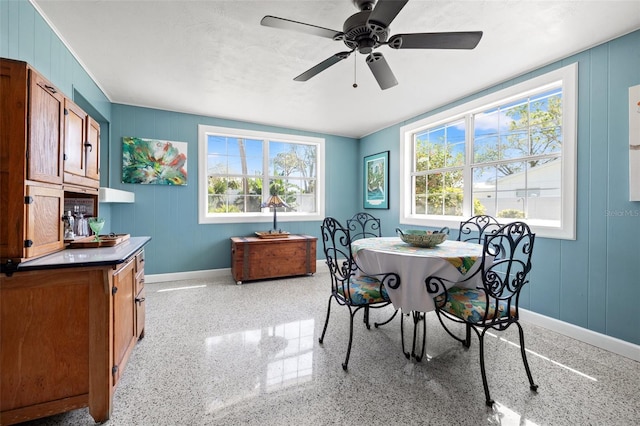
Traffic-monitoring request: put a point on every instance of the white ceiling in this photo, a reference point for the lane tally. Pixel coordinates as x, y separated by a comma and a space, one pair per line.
213, 57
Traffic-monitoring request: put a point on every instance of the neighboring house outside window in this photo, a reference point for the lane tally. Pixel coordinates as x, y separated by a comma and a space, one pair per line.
510, 154
239, 169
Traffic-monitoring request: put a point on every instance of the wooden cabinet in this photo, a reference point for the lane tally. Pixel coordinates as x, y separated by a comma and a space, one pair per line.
128, 311
81, 147
33, 178
66, 335
93, 151
124, 316
31, 119
255, 258
43, 230
45, 130
54, 336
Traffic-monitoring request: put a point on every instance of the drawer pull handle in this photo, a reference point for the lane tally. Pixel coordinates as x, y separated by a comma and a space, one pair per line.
140, 299
88, 145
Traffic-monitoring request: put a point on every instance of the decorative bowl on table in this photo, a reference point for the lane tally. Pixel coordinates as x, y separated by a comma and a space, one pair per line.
420, 238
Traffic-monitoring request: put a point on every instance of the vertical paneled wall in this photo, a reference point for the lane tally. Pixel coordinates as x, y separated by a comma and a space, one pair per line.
169, 213
594, 281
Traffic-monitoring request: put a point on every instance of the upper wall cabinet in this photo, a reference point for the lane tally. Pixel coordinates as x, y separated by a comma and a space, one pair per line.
49, 150
45, 131
31, 170
81, 147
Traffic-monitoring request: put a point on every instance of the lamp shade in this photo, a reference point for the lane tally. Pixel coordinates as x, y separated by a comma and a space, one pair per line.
274, 201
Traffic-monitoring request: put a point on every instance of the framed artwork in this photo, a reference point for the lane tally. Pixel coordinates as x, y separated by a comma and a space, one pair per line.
154, 162
376, 181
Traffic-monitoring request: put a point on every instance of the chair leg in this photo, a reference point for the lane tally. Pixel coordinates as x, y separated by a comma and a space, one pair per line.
421, 317
378, 324
326, 321
346, 360
488, 399
467, 340
366, 318
406, 354
532, 385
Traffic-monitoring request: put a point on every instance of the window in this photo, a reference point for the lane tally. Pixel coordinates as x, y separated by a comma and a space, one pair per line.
510, 154
239, 169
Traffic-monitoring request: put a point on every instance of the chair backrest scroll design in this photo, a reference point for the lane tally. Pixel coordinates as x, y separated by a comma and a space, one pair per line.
364, 225
480, 224
505, 268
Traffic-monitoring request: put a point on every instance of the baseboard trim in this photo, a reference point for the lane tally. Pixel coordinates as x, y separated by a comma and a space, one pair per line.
594, 338
189, 275
205, 274
591, 337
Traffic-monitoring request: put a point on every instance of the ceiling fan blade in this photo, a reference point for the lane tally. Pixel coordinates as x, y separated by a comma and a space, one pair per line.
453, 40
287, 24
322, 66
381, 70
385, 11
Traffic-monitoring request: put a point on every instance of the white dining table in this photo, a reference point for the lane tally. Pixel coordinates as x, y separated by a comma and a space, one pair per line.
456, 261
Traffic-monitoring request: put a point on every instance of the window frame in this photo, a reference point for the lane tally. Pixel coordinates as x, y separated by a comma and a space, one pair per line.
265, 215
568, 78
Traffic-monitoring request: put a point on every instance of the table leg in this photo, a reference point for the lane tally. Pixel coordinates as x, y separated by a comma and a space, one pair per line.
418, 317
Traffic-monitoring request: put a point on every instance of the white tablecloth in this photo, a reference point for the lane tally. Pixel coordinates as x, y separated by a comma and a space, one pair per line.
453, 260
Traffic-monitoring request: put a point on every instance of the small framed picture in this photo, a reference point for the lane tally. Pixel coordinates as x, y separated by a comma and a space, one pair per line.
376, 181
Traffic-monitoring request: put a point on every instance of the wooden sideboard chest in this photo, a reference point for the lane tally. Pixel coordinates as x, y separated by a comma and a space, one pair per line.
254, 258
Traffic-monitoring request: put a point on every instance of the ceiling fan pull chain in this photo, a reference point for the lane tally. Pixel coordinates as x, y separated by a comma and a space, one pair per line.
355, 61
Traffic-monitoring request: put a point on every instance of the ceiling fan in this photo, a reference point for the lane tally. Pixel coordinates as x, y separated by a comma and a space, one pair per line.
367, 30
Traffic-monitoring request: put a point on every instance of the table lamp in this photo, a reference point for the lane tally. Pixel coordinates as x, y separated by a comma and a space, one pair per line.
274, 201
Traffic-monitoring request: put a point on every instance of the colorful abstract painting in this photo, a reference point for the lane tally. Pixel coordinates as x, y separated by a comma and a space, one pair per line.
154, 162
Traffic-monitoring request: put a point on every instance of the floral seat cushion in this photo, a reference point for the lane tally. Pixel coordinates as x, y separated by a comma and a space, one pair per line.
364, 290
469, 305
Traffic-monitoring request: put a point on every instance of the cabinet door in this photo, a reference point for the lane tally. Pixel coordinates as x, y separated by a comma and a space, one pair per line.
92, 150
140, 313
124, 316
45, 137
44, 231
75, 125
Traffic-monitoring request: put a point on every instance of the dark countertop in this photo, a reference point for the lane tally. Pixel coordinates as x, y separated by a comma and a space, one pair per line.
74, 258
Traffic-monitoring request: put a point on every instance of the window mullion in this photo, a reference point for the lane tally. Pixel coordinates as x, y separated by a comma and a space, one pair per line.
467, 191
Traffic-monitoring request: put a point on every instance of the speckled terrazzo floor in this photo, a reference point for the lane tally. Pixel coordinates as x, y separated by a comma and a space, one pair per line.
220, 354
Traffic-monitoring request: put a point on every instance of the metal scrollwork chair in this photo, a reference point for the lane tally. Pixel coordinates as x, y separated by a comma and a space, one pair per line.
348, 287
364, 225
480, 224
505, 266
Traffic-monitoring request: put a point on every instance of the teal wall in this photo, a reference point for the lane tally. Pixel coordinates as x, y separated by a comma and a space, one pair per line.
592, 282
169, 214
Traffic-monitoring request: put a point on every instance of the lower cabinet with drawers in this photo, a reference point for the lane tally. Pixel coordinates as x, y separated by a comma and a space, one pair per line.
67, 332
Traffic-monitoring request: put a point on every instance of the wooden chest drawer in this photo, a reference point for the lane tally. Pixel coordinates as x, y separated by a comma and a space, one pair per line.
255, 258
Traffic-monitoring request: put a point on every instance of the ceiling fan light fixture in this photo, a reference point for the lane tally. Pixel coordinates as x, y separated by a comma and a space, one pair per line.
366, 45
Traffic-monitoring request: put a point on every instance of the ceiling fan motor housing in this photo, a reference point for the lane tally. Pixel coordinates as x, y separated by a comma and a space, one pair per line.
363, 35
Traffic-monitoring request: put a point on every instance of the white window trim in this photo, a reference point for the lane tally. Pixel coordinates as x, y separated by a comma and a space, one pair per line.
265, 215
569, 77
